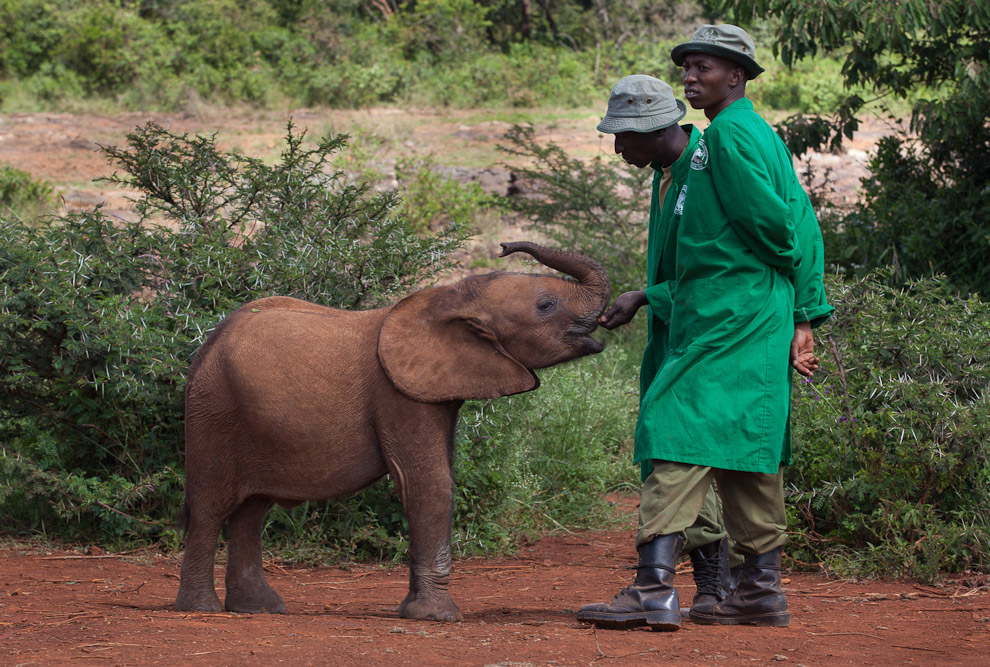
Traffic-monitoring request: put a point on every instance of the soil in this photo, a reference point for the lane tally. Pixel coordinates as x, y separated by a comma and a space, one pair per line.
61, 607
64, 149
91, 607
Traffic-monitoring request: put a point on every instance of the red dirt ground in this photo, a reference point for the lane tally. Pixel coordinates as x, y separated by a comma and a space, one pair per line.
64, 148
65, 607
115, 609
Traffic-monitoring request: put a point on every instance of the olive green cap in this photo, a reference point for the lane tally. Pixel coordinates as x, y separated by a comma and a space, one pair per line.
725, 41
641, 103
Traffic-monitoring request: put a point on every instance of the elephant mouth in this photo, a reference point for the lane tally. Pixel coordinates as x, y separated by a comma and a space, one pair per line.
584, 325
581, 332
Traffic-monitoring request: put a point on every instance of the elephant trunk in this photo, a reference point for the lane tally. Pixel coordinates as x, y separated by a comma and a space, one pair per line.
585, 270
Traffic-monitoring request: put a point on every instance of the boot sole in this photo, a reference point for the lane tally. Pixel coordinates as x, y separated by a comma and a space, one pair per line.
774, 619
614, 621
661, 621
664, 621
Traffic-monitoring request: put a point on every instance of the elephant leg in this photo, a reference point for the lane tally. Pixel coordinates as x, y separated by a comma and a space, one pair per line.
428, 500
196, 591
247, 590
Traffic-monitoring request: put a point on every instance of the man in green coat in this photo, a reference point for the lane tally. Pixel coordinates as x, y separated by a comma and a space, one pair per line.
747, 291
643, 116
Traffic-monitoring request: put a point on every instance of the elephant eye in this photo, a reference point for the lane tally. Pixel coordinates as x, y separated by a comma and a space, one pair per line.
546, 304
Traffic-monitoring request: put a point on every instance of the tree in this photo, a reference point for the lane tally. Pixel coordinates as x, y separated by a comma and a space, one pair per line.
927, 198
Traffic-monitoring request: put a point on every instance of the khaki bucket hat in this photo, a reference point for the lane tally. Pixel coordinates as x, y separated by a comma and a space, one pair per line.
641, 103
726, 41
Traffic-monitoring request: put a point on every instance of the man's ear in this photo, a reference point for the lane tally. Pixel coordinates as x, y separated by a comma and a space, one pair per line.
737, 77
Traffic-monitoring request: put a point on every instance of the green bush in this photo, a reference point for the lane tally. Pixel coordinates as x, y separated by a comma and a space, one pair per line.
431, 201
806, 87
439, 29
58, 54
30, 32
598, 208
99, 318
23, 197
918, 218
543, 461
891, 475
526, 75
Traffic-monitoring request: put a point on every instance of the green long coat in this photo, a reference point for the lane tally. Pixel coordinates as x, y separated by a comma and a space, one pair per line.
720, 396
666, 205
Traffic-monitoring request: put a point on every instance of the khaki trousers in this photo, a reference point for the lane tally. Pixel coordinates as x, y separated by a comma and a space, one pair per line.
752, 504
707, 528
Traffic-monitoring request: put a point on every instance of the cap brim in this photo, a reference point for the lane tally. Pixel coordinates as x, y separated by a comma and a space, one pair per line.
678, 53
616, 124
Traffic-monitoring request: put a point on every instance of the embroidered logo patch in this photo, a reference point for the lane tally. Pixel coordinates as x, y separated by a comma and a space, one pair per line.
700, 158
679, 206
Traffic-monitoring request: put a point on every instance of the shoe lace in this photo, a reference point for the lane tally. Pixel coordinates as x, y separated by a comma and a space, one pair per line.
707, 574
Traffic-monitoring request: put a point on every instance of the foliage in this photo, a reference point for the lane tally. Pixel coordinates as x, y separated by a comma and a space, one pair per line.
21, 196
170, 54
581, 24
526, 75
439, 29
100, 318
916, 218
432, 201
543, 461
891, 475
936, 56
599, 208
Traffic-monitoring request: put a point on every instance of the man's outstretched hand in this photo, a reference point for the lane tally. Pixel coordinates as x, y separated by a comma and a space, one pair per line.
803, 357
623, 310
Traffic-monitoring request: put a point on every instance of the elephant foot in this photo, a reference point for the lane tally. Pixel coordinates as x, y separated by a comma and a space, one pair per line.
262, 600
202, 600
444, 611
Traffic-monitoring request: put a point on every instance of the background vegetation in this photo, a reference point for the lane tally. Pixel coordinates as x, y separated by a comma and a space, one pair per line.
170, 54
99, 317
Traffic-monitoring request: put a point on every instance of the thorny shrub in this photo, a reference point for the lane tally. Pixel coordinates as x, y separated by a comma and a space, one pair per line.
891, 474
100, 318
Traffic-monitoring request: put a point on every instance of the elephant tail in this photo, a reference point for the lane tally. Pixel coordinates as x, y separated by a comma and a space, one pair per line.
182, 521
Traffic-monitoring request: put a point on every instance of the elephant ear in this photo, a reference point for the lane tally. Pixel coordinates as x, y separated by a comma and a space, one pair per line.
433, 352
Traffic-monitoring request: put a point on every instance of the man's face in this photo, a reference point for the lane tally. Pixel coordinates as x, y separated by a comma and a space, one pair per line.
638, 148
709, 80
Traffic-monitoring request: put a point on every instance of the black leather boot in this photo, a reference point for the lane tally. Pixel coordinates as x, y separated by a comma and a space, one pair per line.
651, 599
758, 597
711, 575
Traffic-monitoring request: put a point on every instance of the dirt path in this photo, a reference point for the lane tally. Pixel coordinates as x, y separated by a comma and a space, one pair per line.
64, 148
65, 607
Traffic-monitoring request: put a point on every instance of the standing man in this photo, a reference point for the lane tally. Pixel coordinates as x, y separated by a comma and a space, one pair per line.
748, 291
643, 115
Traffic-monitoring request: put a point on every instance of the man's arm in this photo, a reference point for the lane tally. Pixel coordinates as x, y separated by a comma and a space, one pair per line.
623, 310
810, 303
659, 297
757, 212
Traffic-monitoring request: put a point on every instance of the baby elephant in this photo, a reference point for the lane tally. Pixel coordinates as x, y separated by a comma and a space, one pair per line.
289, 401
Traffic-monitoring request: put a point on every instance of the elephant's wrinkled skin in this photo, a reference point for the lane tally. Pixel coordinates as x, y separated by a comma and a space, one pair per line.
289, 401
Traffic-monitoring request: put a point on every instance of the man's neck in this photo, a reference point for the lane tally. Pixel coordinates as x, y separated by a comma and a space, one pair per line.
730, 99
678, 139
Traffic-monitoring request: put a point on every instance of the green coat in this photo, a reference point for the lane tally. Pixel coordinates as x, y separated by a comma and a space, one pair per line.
661, 252
720, 396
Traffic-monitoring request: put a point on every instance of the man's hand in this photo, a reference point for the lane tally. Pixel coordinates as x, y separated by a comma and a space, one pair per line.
803, 357
623, 309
